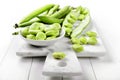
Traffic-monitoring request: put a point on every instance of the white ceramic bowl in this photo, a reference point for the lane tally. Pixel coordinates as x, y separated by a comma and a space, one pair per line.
44, 42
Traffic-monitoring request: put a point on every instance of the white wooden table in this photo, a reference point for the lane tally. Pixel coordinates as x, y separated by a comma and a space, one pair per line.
105, 13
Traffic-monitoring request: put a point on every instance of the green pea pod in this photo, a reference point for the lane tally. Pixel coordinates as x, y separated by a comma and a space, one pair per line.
62, 12
83, 25
44, 13
36, 12
52, 10
49, 20
69, 20
26, 23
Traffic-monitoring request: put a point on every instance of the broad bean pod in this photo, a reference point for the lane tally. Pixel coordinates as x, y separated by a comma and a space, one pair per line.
82, 26
70, 19
36, 12
52, 10
49, 20
26, 23
62, 12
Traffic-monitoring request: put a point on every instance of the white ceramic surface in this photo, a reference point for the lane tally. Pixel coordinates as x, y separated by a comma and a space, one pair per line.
69, 66
64, 44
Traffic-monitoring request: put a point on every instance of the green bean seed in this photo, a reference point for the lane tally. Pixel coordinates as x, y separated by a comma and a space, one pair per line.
34, 32
42, 26
77, 48
92, 41
75, 41
70, 20
81, 17
81, 9
50, 38
78, 8
68, 25
52, 33
67, 31
73, 16
25, 31
55, 26
40, 36
91, 34
86, 11
35, 26
30, 36
59, 55
83, 40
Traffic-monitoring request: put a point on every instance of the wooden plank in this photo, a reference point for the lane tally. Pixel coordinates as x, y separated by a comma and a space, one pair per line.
107, 67
106, 70
88, 73
4, 46
13, 67
36, 70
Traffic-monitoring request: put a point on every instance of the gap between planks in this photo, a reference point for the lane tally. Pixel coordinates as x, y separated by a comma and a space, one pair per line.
6, 52
30, 69
92, 68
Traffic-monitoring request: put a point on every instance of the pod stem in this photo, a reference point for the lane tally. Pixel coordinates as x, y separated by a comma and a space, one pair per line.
15, 33
16, 26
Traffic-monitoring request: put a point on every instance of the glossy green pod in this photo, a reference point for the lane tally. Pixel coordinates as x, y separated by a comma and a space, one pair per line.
49, 20
62, 12
36, 12
52, 10
82, 26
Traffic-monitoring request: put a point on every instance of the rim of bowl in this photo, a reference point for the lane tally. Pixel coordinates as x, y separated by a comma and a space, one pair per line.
62, 32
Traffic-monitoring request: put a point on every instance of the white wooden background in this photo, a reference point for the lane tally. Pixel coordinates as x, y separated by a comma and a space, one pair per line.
105, 13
